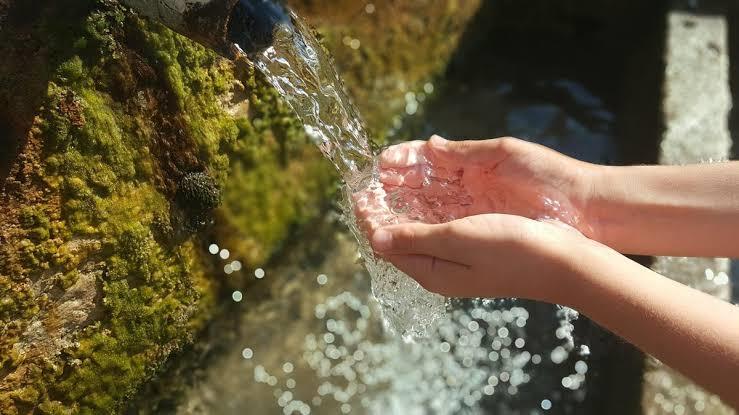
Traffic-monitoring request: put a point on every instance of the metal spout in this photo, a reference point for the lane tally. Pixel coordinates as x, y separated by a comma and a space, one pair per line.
219, 24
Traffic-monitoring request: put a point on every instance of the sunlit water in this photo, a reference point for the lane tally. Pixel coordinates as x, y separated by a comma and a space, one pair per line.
459, 356
297, 66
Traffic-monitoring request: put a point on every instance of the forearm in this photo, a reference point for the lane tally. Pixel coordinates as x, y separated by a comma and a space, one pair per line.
667, 210
688, 330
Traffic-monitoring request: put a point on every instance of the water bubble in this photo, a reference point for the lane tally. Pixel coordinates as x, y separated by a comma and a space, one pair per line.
520, 342
322, 279
411, 107
721, 279
581, 367
546, 404
502, 332
224, 253
237, 296
428, 88
259, 273
355, 44
445, 347
228, 269
247, 353
566, 381
489, 390
290, 383
287, 367
473, 326
558, 355
709, 274
328, 338
346, 408
369, 8
213, 249
236, 265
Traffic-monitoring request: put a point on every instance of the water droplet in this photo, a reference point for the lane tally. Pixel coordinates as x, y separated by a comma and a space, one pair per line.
566, 381
237, 296
546, 404
581, 367
322, 279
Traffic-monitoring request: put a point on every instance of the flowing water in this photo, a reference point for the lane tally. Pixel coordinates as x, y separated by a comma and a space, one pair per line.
297, 66
342, 360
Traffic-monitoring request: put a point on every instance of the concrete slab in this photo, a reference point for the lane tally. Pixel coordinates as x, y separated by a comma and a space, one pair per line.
696, 107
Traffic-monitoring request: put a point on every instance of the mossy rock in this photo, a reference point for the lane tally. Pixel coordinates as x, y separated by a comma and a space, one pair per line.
129, 150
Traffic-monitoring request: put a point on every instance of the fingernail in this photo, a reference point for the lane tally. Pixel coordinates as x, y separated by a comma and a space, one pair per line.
382, 241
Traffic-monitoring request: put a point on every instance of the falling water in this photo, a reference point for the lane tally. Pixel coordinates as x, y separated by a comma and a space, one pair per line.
298, 67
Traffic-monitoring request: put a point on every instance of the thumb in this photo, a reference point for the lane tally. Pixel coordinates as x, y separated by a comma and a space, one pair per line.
419, 239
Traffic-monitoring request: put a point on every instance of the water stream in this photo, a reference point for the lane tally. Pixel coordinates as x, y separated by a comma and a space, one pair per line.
304, 74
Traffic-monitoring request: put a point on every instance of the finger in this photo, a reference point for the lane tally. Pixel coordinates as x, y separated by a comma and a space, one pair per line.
413, 176
421, 239
434, 274
489, 152
403, 155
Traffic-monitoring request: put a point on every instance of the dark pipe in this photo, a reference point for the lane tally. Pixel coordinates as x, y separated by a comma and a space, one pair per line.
219, 24
252, 24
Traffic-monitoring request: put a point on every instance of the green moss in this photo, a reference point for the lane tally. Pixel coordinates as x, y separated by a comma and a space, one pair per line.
112, 206
198, 79
130, 110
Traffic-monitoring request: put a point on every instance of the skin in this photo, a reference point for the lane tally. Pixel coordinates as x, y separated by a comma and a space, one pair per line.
515, 219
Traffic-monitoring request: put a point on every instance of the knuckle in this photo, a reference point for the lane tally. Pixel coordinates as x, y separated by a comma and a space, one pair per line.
507, 144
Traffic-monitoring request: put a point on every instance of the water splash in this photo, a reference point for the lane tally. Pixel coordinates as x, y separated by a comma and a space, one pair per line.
298, 67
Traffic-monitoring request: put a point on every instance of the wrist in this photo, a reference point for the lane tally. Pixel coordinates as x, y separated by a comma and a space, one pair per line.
597, 206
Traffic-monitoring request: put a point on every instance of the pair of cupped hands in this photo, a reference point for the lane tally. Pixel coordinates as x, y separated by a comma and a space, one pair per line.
503, 217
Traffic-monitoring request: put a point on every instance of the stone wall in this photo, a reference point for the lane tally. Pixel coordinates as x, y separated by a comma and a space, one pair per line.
126, 149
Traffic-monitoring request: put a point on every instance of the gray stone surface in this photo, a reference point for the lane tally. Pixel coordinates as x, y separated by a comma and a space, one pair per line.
696, 106
697, 98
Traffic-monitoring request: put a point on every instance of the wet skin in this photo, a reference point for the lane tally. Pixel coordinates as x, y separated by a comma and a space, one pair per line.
426, 181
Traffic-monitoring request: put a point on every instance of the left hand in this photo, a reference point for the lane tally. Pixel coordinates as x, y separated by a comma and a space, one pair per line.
491, 255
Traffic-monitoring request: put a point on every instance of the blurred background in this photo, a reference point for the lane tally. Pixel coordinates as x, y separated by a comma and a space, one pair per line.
171, 241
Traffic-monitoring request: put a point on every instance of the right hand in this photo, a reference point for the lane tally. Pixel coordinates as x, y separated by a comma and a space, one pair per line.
456, 179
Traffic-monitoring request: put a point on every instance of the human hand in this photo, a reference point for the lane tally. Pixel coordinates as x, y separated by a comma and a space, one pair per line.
491, 255
437, 181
